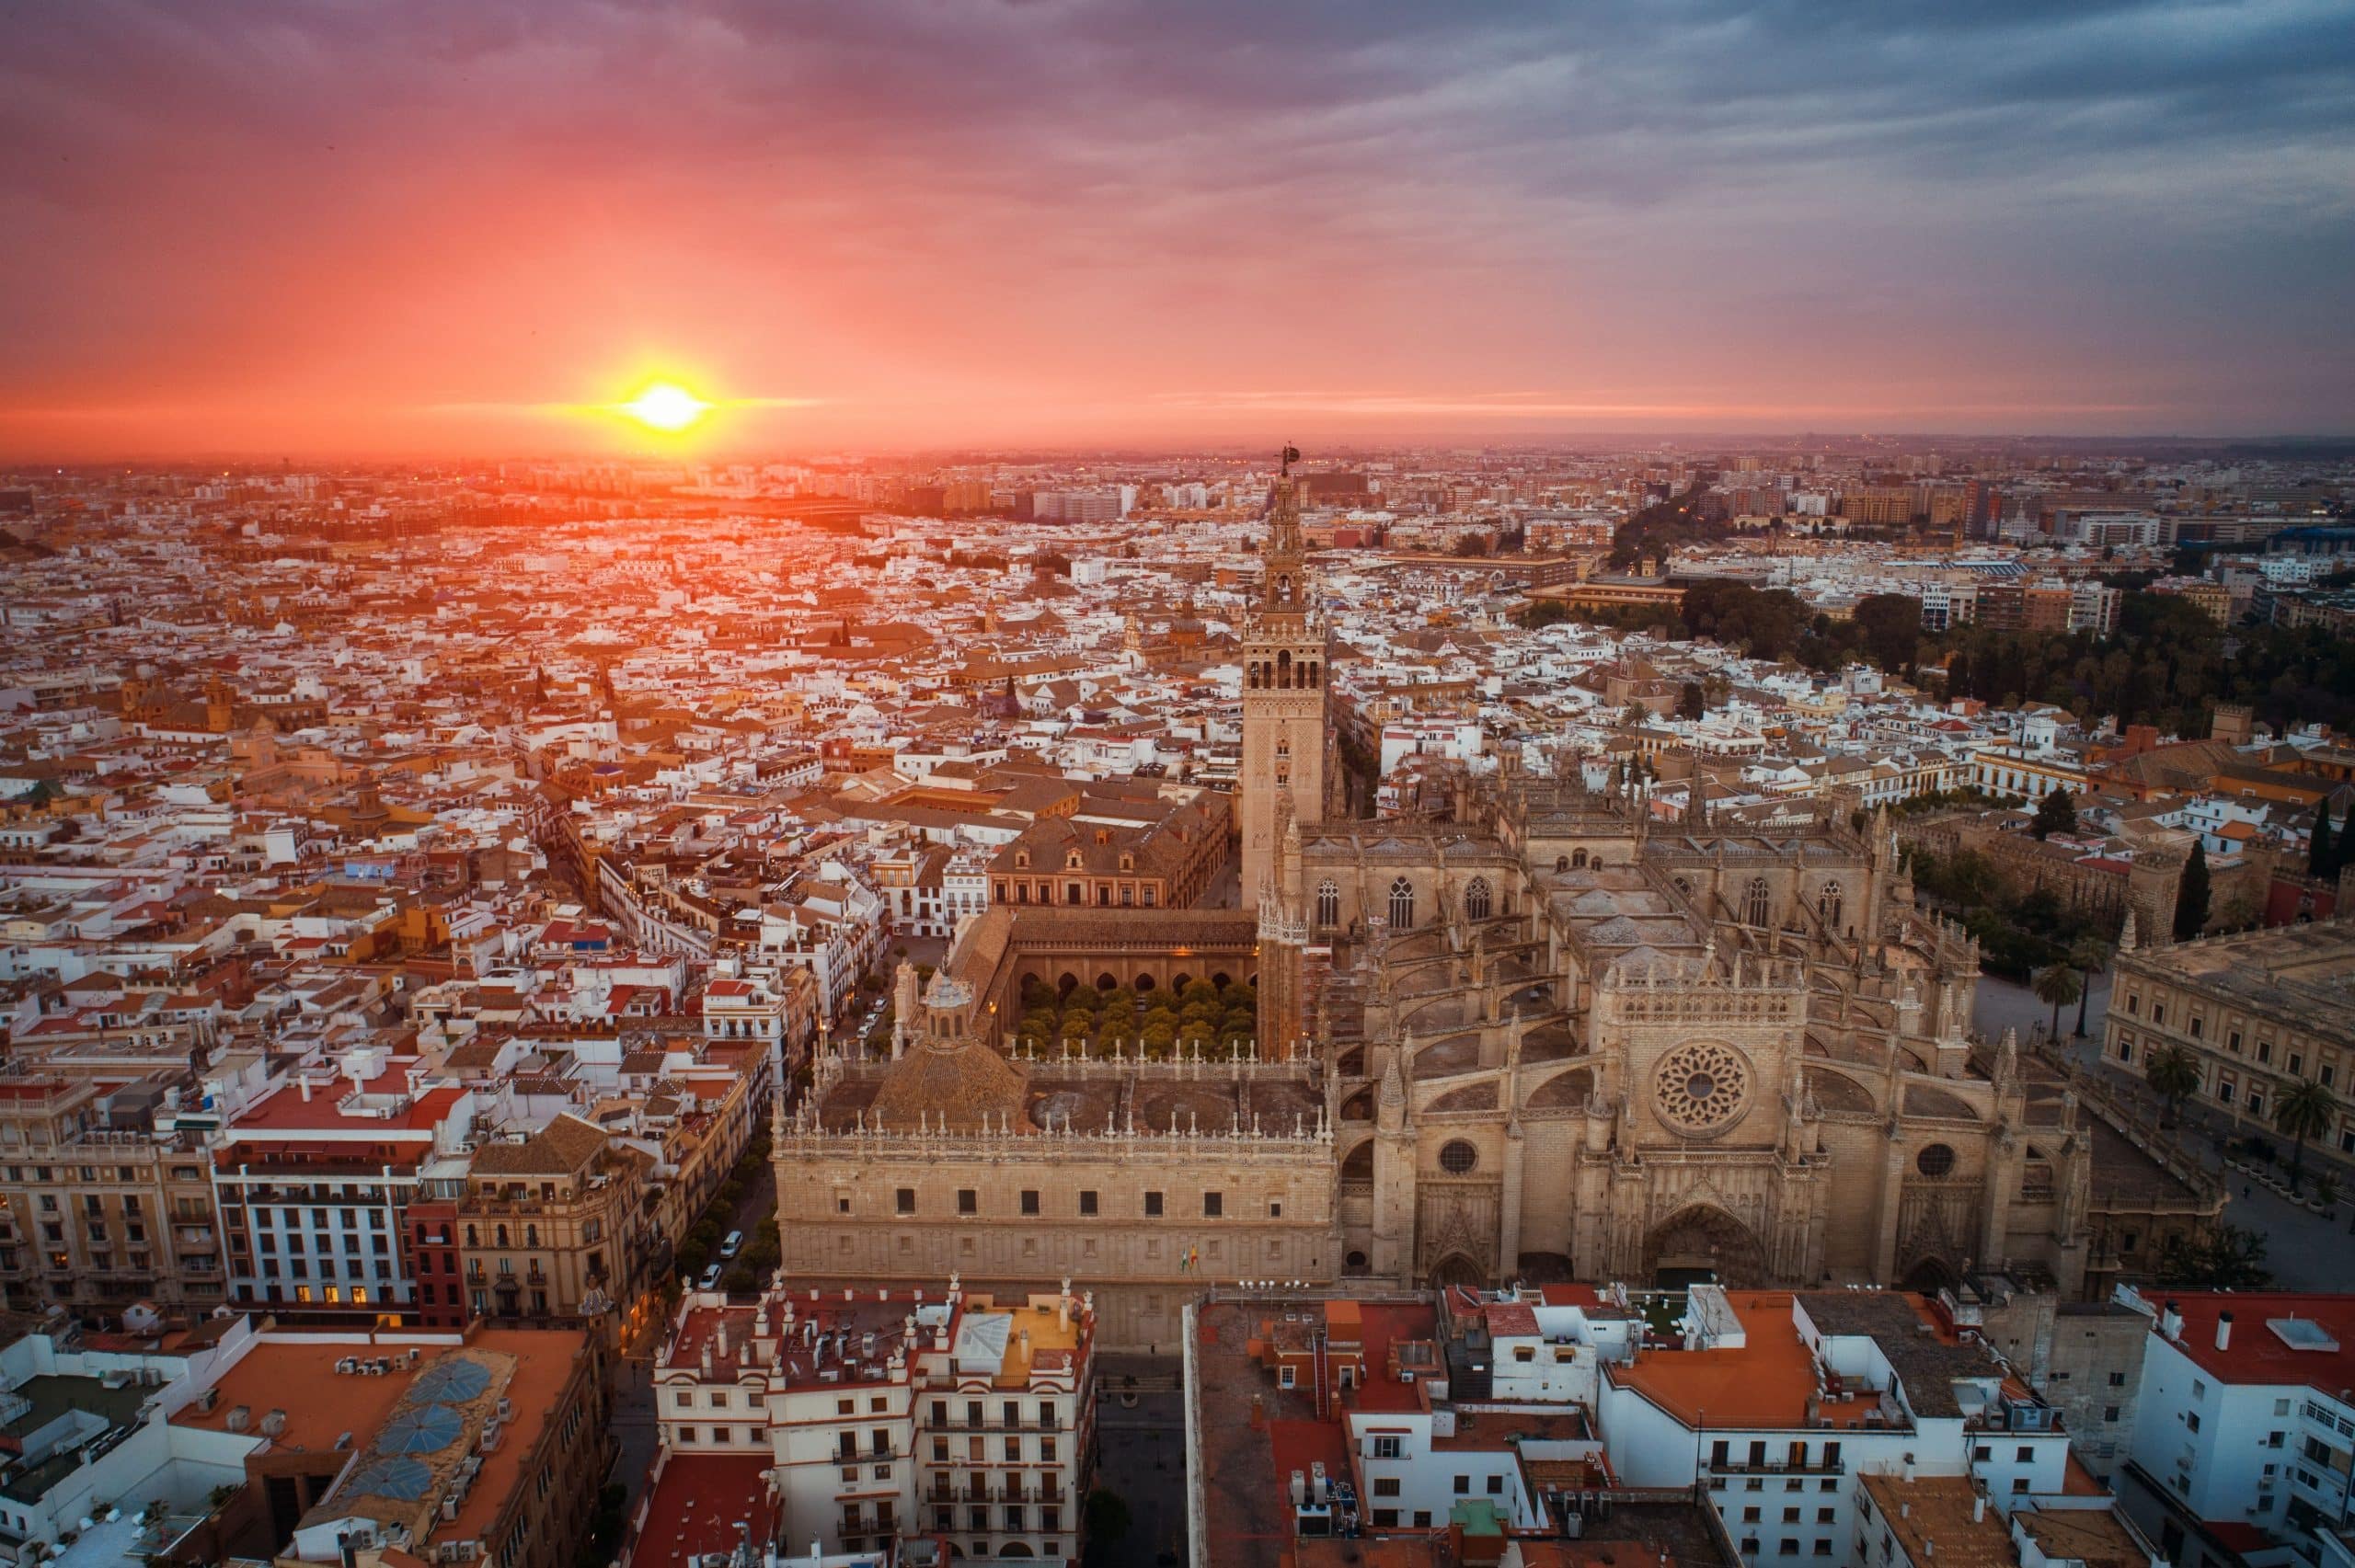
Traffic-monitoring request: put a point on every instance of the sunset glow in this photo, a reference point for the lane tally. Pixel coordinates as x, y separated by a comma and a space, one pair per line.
904, 223
666, 407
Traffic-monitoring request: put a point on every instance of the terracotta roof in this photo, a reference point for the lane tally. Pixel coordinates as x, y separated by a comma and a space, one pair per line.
564, 1146
960, 1083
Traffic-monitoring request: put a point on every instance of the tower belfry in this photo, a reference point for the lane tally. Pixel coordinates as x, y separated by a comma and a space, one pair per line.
1285, 736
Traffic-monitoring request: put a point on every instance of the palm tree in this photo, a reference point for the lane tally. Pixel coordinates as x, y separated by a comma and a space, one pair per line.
2173, 1074
2058, 984
2090, 954
2304, 1111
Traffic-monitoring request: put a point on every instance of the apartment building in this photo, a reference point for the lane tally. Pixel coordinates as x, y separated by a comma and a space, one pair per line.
2243, 1443
1781, 1402
553, 1225
887, 1413
96, 1218
312, 1180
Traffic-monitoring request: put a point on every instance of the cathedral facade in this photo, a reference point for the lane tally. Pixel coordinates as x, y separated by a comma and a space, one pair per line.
1564, 1037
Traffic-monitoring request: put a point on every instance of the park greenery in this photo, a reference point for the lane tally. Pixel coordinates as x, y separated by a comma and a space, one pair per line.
1661, 527
2019, 934
1201, 1016
2167, 665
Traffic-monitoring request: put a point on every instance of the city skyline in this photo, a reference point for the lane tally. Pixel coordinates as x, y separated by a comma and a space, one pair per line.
451, 232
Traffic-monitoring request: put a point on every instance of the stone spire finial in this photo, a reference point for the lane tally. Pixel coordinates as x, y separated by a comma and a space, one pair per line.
1390, 1110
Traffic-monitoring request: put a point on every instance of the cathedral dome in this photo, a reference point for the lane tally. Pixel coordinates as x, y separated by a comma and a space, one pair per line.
955, 1084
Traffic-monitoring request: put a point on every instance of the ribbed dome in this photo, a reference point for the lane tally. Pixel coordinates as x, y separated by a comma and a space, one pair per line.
960, 1084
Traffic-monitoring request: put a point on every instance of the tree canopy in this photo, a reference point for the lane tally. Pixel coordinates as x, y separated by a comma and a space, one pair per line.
2056, 813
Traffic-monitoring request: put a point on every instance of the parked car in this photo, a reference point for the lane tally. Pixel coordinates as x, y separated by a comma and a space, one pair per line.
732, 1246
710, 1280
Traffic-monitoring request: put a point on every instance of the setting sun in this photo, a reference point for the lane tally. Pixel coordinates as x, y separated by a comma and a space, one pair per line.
664, 406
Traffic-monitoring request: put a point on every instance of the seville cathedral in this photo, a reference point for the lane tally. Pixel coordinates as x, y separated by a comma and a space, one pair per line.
1551, 1038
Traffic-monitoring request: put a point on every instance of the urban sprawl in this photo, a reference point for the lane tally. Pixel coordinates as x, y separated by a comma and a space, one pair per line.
1652, 1006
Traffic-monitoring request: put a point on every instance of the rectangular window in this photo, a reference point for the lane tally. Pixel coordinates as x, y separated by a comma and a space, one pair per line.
1385, 1448
905, 1200
1029, 1201
1152, 1206
1087, 1202
1213, 1205
968, 1201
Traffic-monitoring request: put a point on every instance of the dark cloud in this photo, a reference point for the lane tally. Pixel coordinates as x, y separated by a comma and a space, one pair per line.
2125, 196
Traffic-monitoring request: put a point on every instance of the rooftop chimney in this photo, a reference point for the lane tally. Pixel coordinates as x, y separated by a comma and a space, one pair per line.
2223, 1331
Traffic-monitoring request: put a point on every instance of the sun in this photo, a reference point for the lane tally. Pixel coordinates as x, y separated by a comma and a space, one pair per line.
665, 406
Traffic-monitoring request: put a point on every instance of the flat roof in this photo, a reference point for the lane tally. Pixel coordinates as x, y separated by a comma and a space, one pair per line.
696, 1502
2259, 1352
296, 1374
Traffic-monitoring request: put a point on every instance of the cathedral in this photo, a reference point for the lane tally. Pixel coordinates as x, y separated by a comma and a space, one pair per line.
1564, 1038
1556, 1038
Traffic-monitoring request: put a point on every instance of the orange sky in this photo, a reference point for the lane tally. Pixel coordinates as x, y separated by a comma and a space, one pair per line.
438, 228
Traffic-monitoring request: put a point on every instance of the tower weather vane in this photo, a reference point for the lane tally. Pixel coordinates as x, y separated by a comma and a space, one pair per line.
1291, 455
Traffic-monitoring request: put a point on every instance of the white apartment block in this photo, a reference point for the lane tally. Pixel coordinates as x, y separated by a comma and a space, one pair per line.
890, 1413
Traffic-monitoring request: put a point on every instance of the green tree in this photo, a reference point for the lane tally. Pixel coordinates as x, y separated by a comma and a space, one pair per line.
2058, 984
1691, 703
2191, 895
1539, 614
1633, 715
2173, 1074
2303, 1113
2091, 955
2225, 1258
2056, 813
2321, 861
1891, 627
1107, 1518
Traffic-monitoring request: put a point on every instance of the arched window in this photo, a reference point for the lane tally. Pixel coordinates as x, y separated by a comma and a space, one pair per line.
1328, 902
1283, 669
1759, 904
1578, 857
1685, 887
1828, 906
1476, 900
1561, 863
1402, 905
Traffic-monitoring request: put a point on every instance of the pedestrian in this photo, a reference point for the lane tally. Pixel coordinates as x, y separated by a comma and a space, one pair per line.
2247, 1191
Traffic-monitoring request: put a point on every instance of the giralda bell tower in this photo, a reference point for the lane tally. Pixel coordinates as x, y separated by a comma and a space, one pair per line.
1285, 736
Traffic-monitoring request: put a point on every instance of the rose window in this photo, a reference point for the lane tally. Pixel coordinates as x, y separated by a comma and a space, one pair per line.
1701, 1087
